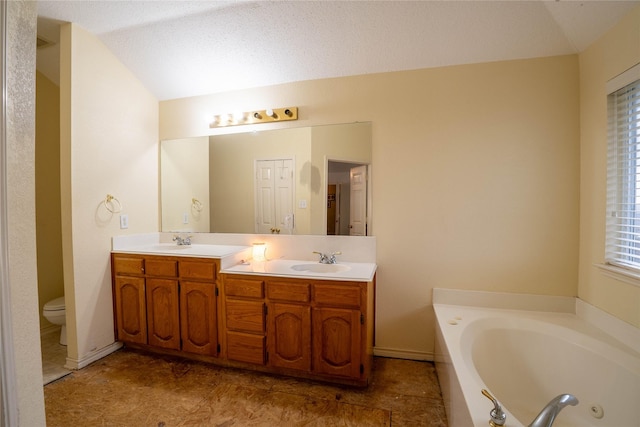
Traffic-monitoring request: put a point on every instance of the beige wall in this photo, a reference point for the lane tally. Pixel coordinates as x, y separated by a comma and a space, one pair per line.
235, 155
20, 216
614, 53
475, 177
184, 175
349, 142
48, 221
109, 145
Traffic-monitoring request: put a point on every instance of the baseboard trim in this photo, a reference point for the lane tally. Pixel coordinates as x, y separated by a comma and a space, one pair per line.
403, 354
377, 351
76, 364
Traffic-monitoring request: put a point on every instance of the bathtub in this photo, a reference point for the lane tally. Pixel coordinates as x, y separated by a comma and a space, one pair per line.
526, 357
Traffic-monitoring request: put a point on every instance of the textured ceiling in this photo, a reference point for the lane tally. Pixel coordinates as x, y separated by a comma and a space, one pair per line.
187, 48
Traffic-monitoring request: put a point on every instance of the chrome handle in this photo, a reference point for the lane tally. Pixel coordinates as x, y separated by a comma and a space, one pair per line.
498, 417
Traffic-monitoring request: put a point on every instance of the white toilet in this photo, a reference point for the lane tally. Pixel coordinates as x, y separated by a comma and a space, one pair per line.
54, 311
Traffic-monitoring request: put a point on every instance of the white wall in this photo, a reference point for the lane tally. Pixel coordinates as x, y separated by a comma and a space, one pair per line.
109, 145
20, 209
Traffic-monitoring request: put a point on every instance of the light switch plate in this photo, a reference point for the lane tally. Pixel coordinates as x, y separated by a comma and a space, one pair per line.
124, 221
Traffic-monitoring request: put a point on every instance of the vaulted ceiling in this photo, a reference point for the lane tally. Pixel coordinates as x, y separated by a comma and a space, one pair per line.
187, 48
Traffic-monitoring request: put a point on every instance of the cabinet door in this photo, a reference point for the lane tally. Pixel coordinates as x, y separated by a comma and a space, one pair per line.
198, 318
336, 342
289, 336
130, 309
162, 313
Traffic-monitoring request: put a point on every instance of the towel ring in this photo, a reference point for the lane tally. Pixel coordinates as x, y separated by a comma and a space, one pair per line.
196, 204
112, 204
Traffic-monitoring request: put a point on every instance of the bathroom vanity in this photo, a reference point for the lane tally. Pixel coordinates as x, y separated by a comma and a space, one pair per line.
283, 316
166, 302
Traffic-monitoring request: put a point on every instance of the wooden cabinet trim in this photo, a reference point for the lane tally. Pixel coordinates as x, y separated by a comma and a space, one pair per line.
248, 288
161, 267
347, 294
197, 269
246, 316
289, 291
128, 265
244, 347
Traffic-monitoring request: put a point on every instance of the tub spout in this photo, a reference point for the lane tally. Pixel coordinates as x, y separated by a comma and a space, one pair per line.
549, 413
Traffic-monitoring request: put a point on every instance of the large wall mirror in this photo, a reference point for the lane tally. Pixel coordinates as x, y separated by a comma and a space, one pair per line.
312, 180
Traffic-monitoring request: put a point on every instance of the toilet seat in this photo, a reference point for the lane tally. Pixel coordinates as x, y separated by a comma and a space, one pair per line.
55, 305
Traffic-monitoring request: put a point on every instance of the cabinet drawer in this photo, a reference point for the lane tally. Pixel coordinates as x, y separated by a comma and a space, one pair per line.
245, 348
337, 295
244, 288
245, 315
198, 270
128, 265
288, 291
161, 267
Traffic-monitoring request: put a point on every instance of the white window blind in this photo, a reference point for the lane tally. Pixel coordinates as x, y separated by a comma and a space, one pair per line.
623, 177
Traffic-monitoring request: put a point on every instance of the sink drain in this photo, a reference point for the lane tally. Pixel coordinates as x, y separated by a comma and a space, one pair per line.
596, 410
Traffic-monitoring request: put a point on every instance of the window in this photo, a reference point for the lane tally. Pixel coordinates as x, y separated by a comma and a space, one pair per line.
623, 176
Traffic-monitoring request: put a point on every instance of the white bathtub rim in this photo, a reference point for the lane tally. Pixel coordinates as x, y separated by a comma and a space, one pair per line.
456, 319
477, 406
611, 325
504, 300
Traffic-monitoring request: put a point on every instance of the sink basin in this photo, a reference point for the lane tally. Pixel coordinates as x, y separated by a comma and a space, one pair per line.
321, 268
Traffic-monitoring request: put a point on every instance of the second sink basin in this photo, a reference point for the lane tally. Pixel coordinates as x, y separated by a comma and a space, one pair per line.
321, 268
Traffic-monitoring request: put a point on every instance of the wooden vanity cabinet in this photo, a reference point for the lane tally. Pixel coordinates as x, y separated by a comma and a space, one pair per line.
314, 328
244, 320
198, 305
130, 309
163, 314
166, 302
289, 324
338, 328
309, 328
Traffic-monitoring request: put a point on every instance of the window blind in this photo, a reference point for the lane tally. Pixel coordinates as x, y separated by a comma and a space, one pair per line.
623, 177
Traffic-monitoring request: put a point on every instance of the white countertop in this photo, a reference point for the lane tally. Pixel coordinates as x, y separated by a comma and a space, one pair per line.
194, 250
350, 271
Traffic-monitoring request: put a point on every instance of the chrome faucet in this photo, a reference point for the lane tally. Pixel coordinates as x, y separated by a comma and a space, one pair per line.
182, 241
498, 417
549, 413
328, 259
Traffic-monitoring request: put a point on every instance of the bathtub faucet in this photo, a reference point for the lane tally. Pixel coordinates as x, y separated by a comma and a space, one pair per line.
549, 413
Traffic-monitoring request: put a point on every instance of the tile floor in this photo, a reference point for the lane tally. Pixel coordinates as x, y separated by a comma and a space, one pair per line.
54, 356
130, 388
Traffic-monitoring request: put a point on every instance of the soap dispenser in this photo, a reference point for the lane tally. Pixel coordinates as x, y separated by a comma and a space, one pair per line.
498, 417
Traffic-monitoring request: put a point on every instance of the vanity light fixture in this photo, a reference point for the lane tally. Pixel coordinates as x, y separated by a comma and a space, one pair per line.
259, 252
253, 117
239, 117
